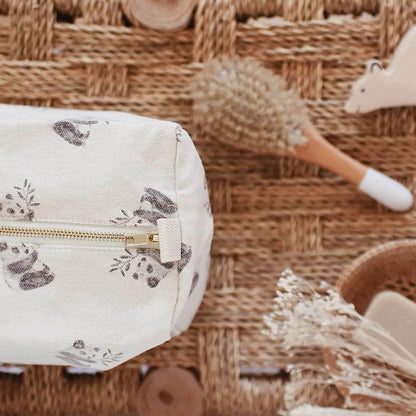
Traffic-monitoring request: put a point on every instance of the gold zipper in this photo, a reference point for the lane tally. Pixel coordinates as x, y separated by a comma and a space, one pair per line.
129, 239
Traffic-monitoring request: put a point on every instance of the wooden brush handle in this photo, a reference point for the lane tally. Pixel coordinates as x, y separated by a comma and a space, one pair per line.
375, 184
319, 151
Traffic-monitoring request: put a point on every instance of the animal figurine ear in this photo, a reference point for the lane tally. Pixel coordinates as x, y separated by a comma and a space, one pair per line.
374, 65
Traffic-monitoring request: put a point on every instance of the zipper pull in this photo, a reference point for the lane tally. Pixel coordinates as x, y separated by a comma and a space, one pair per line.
166, 238
150, 240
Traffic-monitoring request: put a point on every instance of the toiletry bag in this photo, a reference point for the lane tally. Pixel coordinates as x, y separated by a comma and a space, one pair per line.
105, 233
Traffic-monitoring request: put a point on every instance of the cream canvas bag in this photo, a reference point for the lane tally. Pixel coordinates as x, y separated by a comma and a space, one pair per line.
105, 233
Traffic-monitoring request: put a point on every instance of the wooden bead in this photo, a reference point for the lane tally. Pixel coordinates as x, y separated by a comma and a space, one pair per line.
170, 392
161, 14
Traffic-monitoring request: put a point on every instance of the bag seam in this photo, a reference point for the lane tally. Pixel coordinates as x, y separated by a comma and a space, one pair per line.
175, 181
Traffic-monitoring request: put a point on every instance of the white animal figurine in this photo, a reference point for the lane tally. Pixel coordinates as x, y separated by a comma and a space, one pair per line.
394, 86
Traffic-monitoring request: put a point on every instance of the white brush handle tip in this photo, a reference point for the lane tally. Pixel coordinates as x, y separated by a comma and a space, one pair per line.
386, 190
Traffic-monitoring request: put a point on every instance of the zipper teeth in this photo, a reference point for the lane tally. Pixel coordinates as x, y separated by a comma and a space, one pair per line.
61, 233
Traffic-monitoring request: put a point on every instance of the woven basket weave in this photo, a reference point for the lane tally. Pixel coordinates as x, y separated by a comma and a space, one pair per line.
390, 266
270, 213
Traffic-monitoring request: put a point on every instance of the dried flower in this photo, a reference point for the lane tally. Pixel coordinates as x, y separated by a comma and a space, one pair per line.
364, 364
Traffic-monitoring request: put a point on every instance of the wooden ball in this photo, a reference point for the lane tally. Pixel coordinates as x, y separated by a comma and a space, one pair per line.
161, 14
170, 391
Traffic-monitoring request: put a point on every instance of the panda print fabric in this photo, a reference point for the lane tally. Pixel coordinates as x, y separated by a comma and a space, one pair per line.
22, 269
81, 355
71, 132
72, 180
146, 264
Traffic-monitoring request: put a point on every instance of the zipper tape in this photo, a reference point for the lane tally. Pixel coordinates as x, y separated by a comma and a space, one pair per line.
170, 238
80, 234
166, 237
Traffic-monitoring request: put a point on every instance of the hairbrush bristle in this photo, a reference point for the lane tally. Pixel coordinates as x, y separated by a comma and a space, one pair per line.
239, 102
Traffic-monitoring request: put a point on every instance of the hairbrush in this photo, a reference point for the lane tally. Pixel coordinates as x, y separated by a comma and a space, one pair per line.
243, 104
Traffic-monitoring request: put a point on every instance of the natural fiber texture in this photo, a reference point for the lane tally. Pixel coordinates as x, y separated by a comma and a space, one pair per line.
270, 212
390, 266
241, 103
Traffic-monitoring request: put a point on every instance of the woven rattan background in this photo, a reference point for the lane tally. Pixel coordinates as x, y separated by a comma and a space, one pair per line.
270, 213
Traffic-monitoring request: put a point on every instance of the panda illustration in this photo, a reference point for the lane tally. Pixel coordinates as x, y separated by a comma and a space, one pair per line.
12, 207
145, 264
72, 132
22, 269
81, 355
153, 206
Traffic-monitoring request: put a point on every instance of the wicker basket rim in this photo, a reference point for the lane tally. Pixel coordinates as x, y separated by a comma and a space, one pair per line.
373, 269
